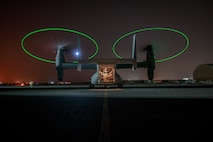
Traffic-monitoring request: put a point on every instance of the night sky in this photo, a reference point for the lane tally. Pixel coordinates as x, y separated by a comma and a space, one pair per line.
105, 22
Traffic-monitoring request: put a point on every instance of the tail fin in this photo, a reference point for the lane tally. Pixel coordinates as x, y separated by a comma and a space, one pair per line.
134, 52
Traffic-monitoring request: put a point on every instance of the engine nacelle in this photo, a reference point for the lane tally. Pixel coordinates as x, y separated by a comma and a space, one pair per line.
59, 60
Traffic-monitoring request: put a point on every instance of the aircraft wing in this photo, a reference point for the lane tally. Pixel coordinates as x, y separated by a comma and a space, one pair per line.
76, 66
92, 64
127, 66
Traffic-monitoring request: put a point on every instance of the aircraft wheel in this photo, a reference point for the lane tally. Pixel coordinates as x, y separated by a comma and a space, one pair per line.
91, 86
106, 86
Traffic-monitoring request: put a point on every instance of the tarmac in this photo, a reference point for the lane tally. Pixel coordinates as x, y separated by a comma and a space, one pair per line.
142, 112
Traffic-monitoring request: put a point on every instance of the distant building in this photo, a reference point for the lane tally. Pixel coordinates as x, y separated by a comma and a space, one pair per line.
203, 72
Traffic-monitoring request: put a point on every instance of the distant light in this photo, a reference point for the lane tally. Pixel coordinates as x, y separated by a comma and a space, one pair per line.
51, 82
185, 78
22, 84
76, 53
31, 83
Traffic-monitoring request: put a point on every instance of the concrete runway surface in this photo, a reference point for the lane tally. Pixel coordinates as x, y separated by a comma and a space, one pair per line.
104, 115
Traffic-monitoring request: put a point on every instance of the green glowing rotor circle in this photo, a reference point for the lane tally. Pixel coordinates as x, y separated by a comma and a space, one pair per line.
55, 29
154, 29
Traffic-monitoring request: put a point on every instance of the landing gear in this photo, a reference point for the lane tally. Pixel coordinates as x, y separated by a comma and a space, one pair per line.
91, 86
120, 85
106, 86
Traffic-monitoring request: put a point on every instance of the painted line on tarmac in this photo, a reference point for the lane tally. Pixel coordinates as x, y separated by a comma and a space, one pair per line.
105, 130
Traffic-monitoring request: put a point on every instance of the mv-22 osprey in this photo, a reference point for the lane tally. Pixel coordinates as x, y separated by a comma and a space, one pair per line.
106, 68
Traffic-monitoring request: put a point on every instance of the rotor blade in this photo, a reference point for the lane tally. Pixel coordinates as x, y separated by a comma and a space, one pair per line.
79, 46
